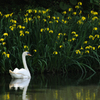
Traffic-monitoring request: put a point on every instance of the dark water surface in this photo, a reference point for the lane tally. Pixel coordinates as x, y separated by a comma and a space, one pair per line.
51, 87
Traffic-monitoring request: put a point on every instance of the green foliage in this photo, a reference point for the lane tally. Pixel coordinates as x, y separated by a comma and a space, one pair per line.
57, 41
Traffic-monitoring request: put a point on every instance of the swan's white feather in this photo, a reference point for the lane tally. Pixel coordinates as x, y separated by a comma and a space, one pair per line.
23, 72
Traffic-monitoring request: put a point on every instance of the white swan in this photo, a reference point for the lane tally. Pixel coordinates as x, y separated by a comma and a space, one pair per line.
23, 72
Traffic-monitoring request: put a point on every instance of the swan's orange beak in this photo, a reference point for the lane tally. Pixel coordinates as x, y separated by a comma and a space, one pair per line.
29, 55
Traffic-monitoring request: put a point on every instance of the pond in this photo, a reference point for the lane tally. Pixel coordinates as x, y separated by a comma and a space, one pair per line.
51, 87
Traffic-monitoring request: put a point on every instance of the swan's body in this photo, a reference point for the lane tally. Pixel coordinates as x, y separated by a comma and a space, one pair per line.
23, 72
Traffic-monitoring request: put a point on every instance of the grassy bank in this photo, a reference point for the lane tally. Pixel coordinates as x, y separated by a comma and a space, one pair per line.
57, 41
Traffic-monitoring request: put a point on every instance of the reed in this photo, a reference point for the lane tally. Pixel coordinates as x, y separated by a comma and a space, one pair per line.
56, 41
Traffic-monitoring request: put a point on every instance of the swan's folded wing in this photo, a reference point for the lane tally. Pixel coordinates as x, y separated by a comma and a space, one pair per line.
23, 72
16, 70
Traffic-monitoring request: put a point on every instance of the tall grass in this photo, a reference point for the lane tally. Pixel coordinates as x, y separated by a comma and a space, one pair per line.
56, 41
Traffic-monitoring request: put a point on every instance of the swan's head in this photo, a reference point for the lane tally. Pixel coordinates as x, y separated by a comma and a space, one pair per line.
26, 53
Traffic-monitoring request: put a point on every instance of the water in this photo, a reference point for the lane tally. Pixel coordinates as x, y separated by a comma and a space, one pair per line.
50, 87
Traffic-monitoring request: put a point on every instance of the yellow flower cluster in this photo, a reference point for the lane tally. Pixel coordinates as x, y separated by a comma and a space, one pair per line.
13, 21
94, 12
6, 54
93, 37
81, 20
8, 15
21, 27
26, 48
90, 47
21, 33
46, 29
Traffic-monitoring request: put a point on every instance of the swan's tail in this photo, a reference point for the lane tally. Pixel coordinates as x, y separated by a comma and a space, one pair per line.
11, 73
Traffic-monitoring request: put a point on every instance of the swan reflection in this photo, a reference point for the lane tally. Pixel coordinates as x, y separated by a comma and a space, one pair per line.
22, 84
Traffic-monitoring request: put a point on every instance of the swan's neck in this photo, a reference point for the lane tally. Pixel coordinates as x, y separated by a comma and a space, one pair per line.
24, 62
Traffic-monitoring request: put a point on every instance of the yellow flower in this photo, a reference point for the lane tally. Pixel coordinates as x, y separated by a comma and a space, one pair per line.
64, 12
87, 51
60, 34
93, 48
90, 36
39, 11
69, 17
41, 30
2, 39
57, 17
3, 53
77, 6
35, 11
87, 47
43, 12
50, 22
60, 46
62, 20
47, 10
85, 42
76, 35
65, 34
79, 22
29, 11
5, 34
54, 17
44, 20
95, 28
97, 35
98, 46
80, 12
56, 21
48, 16
95, 13
21, 34
74, 13
38, 16
70, 9
27, 32
4, 43
26, 14
8, 55
19, 26
78, 51
21, 31
29, 19
83, 18
23, 27
94, 18
65, 21
14, 21
35, 50
81, 48
55, 52
25, 46
51, 31
73, 32
73, 39
80, 3
47, 29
